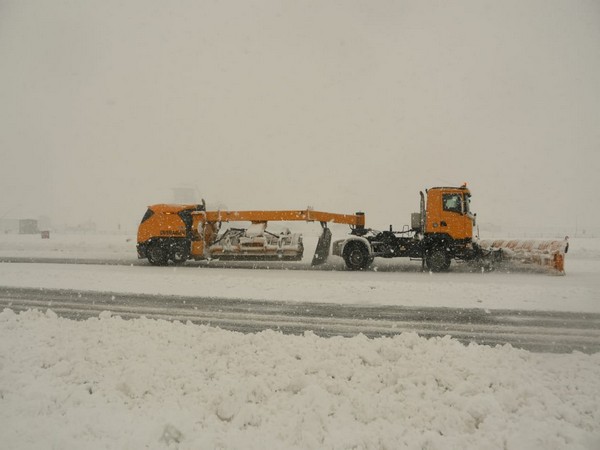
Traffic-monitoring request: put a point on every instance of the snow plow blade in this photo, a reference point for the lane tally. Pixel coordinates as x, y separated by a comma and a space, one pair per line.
547, 254
322, 250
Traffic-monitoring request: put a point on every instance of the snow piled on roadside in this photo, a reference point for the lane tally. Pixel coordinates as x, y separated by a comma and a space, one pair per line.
112, 383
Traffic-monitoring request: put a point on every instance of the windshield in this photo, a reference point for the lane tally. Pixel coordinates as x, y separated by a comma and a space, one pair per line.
452, 202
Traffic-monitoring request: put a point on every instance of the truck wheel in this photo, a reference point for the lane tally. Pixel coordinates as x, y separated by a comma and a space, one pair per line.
356, 256
438, 260
157, 255
179, 254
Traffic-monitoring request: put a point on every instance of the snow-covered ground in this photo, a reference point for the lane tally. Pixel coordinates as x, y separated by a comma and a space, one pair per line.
111, 383
392, 282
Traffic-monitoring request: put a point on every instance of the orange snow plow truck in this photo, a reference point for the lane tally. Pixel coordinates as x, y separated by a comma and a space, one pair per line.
440, 232
180, 232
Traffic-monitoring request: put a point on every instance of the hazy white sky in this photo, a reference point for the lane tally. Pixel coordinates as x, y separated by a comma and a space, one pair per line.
343, 105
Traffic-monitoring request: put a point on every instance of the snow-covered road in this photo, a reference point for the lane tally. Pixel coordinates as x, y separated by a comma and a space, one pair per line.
532, 330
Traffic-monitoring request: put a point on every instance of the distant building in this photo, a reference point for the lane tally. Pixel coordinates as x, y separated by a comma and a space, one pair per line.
28, 226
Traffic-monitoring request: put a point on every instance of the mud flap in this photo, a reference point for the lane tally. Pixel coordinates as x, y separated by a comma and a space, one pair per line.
322, 250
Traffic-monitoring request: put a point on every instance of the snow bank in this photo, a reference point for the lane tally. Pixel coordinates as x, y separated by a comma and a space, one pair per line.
111, 383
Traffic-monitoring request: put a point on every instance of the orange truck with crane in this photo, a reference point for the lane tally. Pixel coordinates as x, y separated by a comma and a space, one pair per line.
177, 233
440, 232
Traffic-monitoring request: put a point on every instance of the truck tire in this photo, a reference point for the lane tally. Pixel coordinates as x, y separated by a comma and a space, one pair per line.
356, 256
157, 255
179, 253
438, 259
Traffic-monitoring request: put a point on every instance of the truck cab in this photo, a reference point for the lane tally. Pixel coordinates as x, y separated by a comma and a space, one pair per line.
448, 213
165, 233
440, 232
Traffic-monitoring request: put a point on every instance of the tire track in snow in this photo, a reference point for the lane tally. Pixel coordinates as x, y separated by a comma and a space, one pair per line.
541, 331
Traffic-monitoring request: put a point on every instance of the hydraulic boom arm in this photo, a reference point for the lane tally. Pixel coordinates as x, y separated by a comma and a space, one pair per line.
308, 215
